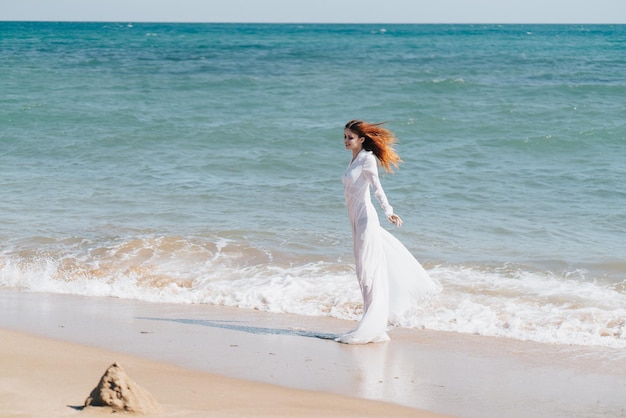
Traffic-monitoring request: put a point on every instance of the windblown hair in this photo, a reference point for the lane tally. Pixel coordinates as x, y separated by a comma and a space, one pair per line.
378, 140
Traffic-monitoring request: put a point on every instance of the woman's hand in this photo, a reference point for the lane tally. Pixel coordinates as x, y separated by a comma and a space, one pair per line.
395, 219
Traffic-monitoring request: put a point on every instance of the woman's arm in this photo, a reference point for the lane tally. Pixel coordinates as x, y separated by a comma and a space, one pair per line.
370, 169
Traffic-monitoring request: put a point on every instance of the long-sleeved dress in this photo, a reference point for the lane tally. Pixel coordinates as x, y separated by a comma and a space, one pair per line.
392, 281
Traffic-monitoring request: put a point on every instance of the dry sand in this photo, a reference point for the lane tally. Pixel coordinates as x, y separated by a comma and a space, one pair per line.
201, 360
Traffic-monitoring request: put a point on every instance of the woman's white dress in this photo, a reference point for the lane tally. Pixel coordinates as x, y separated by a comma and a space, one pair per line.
392, 281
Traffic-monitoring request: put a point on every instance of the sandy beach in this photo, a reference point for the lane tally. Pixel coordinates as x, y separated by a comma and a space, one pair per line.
202, 360
48, 378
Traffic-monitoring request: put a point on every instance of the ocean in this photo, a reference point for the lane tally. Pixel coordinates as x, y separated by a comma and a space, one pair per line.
202, 163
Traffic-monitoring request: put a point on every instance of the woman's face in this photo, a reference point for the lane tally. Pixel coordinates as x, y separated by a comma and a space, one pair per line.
352, 140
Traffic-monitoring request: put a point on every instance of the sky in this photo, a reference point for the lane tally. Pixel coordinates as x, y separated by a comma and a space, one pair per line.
319, 11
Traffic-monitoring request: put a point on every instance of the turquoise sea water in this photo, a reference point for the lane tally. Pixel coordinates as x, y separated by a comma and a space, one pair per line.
201, 163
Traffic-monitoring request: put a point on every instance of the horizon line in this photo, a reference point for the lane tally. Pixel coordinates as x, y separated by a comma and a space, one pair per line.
299, 23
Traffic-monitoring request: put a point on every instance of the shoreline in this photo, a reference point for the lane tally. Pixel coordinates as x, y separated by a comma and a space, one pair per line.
446, 373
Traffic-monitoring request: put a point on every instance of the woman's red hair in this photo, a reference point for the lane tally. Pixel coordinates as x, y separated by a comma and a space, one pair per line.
378, 140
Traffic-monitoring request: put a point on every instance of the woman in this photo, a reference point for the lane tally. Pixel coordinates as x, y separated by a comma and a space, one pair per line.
391, 279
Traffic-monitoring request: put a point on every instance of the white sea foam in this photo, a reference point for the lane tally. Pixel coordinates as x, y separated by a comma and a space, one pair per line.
506, 302
528, 306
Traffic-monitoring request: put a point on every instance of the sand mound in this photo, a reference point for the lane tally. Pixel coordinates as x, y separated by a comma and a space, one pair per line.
118, 391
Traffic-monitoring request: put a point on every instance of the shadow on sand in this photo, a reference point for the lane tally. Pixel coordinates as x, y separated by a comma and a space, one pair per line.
245, 328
